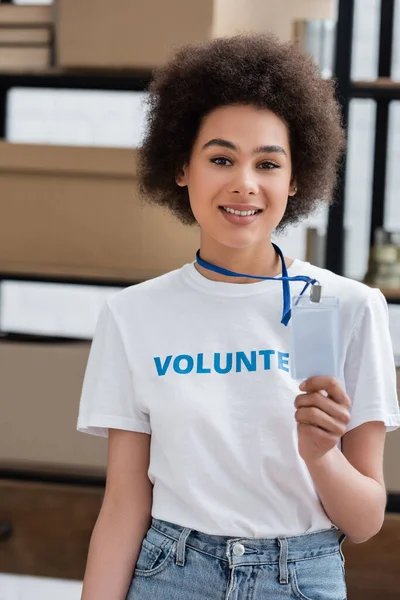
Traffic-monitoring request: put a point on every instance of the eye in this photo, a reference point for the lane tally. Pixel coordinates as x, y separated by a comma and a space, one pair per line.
268, 165
221, 161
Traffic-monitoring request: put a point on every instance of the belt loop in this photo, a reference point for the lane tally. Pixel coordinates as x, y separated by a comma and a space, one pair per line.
283, 556
180, 551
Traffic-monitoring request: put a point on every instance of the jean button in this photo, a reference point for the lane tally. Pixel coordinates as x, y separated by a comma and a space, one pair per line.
238, 549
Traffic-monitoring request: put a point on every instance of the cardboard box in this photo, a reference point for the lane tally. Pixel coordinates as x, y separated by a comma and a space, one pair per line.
21, 58
25, 36
392, 453
75, 212
40, 391
391, 462
141, 35
276, 16
127, 33
30, 16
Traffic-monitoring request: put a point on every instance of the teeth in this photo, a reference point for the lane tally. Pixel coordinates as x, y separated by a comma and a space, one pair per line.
243, 213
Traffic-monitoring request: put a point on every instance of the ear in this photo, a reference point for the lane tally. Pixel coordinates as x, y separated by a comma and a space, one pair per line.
181, 177
293, 188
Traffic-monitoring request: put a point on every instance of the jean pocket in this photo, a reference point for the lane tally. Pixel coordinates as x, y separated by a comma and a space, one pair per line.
319, 578
156, 553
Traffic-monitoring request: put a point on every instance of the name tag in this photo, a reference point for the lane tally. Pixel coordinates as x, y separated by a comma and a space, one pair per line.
315, 339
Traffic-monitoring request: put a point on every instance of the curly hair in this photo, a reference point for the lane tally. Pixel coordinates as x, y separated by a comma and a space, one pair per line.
256, 70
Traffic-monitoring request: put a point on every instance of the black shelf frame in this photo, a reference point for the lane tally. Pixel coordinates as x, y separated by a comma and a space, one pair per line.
383, 92
342, 72
375, 92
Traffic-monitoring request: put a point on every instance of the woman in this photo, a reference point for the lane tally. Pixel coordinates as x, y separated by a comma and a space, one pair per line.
224, 480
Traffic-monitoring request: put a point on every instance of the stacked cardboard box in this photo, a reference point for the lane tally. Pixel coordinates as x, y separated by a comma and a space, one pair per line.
41, 408
76, 212
127, 34
70, 212
26, 34
135, 34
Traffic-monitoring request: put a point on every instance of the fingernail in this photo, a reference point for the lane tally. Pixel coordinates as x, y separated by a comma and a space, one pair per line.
303, 386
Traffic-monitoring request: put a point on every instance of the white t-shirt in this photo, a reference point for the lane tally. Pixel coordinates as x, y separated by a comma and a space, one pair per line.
204, 367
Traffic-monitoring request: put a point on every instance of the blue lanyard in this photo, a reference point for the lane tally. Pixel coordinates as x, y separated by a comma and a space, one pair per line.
286, 312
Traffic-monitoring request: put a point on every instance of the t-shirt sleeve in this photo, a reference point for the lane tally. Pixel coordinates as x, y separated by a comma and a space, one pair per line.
370, 372
108, 397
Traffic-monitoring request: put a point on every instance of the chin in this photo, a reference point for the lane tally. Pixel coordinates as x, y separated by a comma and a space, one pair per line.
240, 244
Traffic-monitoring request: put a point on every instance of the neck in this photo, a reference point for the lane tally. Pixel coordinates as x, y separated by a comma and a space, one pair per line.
256, 260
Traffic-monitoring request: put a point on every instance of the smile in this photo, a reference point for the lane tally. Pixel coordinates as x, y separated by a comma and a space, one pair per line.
241, 213
240, 217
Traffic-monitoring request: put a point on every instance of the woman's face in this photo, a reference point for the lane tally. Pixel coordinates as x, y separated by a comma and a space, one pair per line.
240, 161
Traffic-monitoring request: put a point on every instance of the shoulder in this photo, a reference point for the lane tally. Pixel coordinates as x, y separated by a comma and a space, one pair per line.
146, 294
350, 292
359, 303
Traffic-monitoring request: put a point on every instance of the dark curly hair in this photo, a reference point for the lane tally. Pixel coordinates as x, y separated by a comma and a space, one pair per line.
256, 70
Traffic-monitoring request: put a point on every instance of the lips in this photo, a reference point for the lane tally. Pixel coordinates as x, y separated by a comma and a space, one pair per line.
241, 207
240, 219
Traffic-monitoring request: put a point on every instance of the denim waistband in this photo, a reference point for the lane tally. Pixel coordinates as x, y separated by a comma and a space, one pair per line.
238, 550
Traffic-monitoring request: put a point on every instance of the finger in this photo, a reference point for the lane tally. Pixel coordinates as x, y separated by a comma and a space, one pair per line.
317, 432
324, 403
311, 415
330, 385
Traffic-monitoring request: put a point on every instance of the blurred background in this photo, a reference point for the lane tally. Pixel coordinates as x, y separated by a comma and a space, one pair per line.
73, 80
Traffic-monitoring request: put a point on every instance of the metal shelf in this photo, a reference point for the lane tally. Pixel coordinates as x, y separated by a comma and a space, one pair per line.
382, 88
69, 279
119, 80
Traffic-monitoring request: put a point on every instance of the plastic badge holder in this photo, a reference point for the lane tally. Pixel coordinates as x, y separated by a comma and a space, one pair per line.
315, 344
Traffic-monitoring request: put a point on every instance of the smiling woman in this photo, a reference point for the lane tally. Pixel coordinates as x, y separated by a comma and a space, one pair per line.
248, 478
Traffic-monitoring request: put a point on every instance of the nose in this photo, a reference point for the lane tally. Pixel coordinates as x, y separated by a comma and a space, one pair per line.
244, 183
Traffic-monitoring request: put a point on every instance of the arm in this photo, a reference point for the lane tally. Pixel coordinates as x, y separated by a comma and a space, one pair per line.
350, 483
124, 518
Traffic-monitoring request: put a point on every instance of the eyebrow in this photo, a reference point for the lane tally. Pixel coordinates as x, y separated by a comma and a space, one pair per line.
260, 150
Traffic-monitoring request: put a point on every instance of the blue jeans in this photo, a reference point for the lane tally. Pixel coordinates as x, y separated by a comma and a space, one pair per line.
182, 564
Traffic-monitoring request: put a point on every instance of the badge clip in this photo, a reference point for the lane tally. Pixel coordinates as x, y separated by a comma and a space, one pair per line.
316, 292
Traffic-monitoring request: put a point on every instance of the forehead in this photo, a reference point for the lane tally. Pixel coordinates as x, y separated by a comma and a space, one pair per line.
246, 126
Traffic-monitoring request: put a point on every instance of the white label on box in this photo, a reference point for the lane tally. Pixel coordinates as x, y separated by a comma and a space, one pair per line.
52, 309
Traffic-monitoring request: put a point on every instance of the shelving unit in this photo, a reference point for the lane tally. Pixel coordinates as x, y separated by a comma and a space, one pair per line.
384, 90
82, 79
